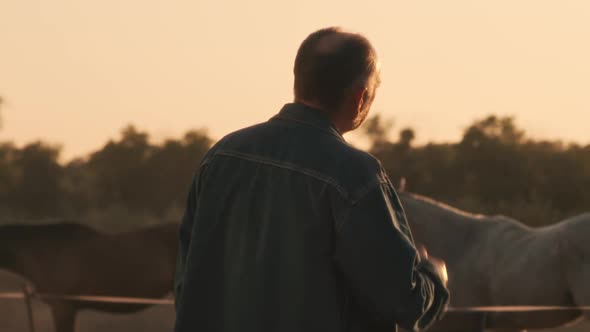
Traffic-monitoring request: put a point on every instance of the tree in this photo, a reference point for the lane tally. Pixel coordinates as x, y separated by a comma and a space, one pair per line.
377, 129
118, 170
493, 169
493, 130
406, 137
144, 177
1, 102
36, 179
172, 165
8, 173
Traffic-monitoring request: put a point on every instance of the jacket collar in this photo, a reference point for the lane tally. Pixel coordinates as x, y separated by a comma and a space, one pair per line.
308, 116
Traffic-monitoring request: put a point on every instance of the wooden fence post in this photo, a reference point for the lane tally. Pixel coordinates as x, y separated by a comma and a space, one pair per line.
28, 292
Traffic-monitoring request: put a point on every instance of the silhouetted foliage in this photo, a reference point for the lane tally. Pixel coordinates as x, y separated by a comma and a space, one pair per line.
495, 168
37, 173
129, 176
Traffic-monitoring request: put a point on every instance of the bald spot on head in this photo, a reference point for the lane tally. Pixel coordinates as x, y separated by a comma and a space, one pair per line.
331, 42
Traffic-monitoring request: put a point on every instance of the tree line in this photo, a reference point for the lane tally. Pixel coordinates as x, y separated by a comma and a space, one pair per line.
129, 182
495, 168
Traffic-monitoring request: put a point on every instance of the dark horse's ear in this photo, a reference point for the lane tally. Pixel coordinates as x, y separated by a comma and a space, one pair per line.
402, 184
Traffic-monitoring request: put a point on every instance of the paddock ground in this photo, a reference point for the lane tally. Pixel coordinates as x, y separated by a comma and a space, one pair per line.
157, 318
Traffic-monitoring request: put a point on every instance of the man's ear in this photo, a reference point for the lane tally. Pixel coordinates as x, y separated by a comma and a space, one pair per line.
359, 98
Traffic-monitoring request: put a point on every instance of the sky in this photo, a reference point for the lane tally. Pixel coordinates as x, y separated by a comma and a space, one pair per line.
75, 72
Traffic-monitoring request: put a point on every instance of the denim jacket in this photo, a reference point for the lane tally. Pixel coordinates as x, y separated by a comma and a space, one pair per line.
289, 228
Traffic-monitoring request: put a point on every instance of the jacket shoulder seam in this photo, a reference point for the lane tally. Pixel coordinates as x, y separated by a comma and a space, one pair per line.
288, 166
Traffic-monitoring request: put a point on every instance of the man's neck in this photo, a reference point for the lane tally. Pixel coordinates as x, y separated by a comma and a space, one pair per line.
330, 114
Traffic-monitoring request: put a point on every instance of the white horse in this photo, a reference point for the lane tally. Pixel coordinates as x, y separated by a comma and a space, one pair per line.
498, 261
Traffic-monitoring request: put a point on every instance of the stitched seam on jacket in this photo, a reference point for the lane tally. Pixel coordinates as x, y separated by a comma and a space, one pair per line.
362, 193
289, 166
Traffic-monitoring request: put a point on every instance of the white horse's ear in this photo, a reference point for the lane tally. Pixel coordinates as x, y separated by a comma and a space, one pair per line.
402, 184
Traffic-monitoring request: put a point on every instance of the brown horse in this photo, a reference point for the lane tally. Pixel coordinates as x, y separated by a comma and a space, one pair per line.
498, 261
72, 259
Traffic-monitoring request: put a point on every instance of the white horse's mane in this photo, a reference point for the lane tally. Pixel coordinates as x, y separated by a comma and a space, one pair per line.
452, 212
444, 206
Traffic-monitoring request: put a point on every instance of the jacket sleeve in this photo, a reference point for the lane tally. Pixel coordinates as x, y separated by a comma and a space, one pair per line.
188, 220
375, 252
184, 236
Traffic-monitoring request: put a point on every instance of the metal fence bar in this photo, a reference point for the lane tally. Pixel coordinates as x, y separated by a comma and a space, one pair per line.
108, 299
167, 301
12, 295
519, 308
87, 298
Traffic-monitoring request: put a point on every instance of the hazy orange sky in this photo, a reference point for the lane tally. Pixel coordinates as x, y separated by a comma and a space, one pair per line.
76, 72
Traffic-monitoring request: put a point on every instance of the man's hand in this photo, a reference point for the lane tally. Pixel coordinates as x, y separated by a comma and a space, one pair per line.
438, 265
437, 272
